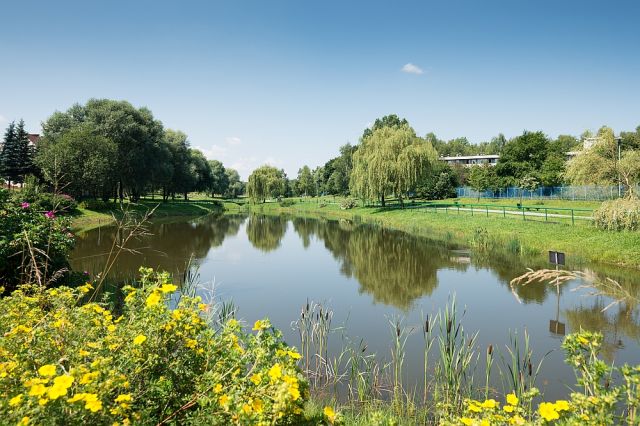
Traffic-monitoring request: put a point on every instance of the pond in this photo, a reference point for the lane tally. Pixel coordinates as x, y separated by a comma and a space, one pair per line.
270, 266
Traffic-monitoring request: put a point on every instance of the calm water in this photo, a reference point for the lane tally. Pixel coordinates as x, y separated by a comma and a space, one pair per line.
270, 266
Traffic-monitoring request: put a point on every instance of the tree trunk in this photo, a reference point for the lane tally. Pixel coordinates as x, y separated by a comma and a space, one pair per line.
185, 196
382, 200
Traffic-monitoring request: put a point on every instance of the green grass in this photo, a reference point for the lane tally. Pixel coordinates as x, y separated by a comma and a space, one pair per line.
85, 219
582, 243
568, 204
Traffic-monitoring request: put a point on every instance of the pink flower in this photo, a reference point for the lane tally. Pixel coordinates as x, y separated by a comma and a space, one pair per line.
50, 215
25, 205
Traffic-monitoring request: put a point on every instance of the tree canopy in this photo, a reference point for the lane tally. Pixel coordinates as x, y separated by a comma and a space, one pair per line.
390, 161
266, 181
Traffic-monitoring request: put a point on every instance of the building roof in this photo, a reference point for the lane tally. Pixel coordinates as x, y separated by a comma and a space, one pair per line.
472, 157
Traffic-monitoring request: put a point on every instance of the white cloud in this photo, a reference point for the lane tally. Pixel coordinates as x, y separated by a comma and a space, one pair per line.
216, 152
412, 69
2, 119
233, 140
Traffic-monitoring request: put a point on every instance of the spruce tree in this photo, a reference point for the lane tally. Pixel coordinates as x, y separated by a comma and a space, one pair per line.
8, 154
24, 164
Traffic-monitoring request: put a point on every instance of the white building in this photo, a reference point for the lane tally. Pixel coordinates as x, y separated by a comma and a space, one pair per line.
472, 160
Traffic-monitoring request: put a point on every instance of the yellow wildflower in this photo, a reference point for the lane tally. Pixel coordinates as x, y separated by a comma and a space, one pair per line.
192, 343
177, 315
56, 391
64, 381
466, 421
489, 403
168, 288
203, 307
562, 405
475, 408
548, 411
217, 388
223, 400
25, 421
508, 408
92, 404
153, 299
37, 390
246, 408
124, 397
294, 392
329, 413
88, 378
43, 401
512, 399
256, 378
111, 328
82, 352
47, 370
294, 354
77, 397
583, 340
260, 325
275, 372
16, 400
140, 339
257, 405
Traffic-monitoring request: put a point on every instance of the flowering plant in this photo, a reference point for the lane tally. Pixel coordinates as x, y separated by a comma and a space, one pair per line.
63, 362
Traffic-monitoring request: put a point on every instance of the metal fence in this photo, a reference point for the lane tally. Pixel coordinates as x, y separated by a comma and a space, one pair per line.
587, 192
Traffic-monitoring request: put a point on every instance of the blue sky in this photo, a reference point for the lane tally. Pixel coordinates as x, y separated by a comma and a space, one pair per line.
288, 82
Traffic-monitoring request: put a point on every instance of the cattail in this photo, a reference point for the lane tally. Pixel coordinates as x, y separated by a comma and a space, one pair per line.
397, 330
449, 324
426, 325
490, 350
364, 348
530, 369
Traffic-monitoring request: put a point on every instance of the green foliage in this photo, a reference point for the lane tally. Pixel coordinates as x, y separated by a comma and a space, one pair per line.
220, 179
235, 186
305, 183
618, 215
266, 181
67, 362
348, 203
523, 155
78, 161
16, 155
438, 183
390, 161
34, 244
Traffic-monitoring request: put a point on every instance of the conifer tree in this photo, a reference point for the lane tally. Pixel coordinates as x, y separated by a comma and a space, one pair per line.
9, 154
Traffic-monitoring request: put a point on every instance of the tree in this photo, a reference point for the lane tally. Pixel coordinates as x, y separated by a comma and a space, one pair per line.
16, 156
478, 179
528, 183
78, 162
236, 186
201, 169
182, 178
439, 183
134, 131
9, 154
390, 161
266, 181
390, 120
596, 165
220, 183
305, 183
523, 155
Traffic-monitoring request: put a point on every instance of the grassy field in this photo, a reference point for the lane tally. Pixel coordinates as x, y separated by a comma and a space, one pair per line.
582, 243
85, 219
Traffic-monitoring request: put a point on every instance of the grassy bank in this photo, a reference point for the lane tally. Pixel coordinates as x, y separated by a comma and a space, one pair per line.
85, 219
581, 243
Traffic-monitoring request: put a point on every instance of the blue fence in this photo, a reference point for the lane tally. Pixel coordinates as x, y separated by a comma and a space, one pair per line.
587, 192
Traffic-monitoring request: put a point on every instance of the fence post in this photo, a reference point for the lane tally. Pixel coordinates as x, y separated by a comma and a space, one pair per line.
546, 211
504, 212
573, 220
487, 210
472, 210
523, 215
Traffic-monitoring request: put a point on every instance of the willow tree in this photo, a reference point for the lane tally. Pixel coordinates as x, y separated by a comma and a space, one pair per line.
266, 181
390, 160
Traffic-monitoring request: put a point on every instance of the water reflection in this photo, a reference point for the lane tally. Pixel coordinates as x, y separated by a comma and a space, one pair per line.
169, 246
260, 266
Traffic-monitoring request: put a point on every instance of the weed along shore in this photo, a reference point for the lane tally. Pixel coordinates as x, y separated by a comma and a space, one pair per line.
533, 236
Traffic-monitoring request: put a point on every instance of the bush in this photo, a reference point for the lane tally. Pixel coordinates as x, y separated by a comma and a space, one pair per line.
286, 202
46, 201
618, 215
348, 203
62, 362
34, 245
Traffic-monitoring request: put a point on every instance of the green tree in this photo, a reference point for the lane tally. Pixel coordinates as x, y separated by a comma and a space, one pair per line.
390, 161
182, 179
78, 162
135, 131
596, 165
220, 183
9, 154
236, 186
16, 156
305, 184
528, 183
478, 179
523, 155
266, 181
201, 169
390, 120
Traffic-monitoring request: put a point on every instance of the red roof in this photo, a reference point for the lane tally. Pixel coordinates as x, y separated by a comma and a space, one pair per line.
34, 138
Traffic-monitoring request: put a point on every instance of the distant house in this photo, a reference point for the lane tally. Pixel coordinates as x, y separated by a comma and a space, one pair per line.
472, 160
34, 138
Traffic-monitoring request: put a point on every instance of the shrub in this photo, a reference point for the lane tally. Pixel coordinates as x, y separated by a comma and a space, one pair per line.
34, 245
46, 201
618, 215
96, 205
286, 203
62, 362
348, 203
